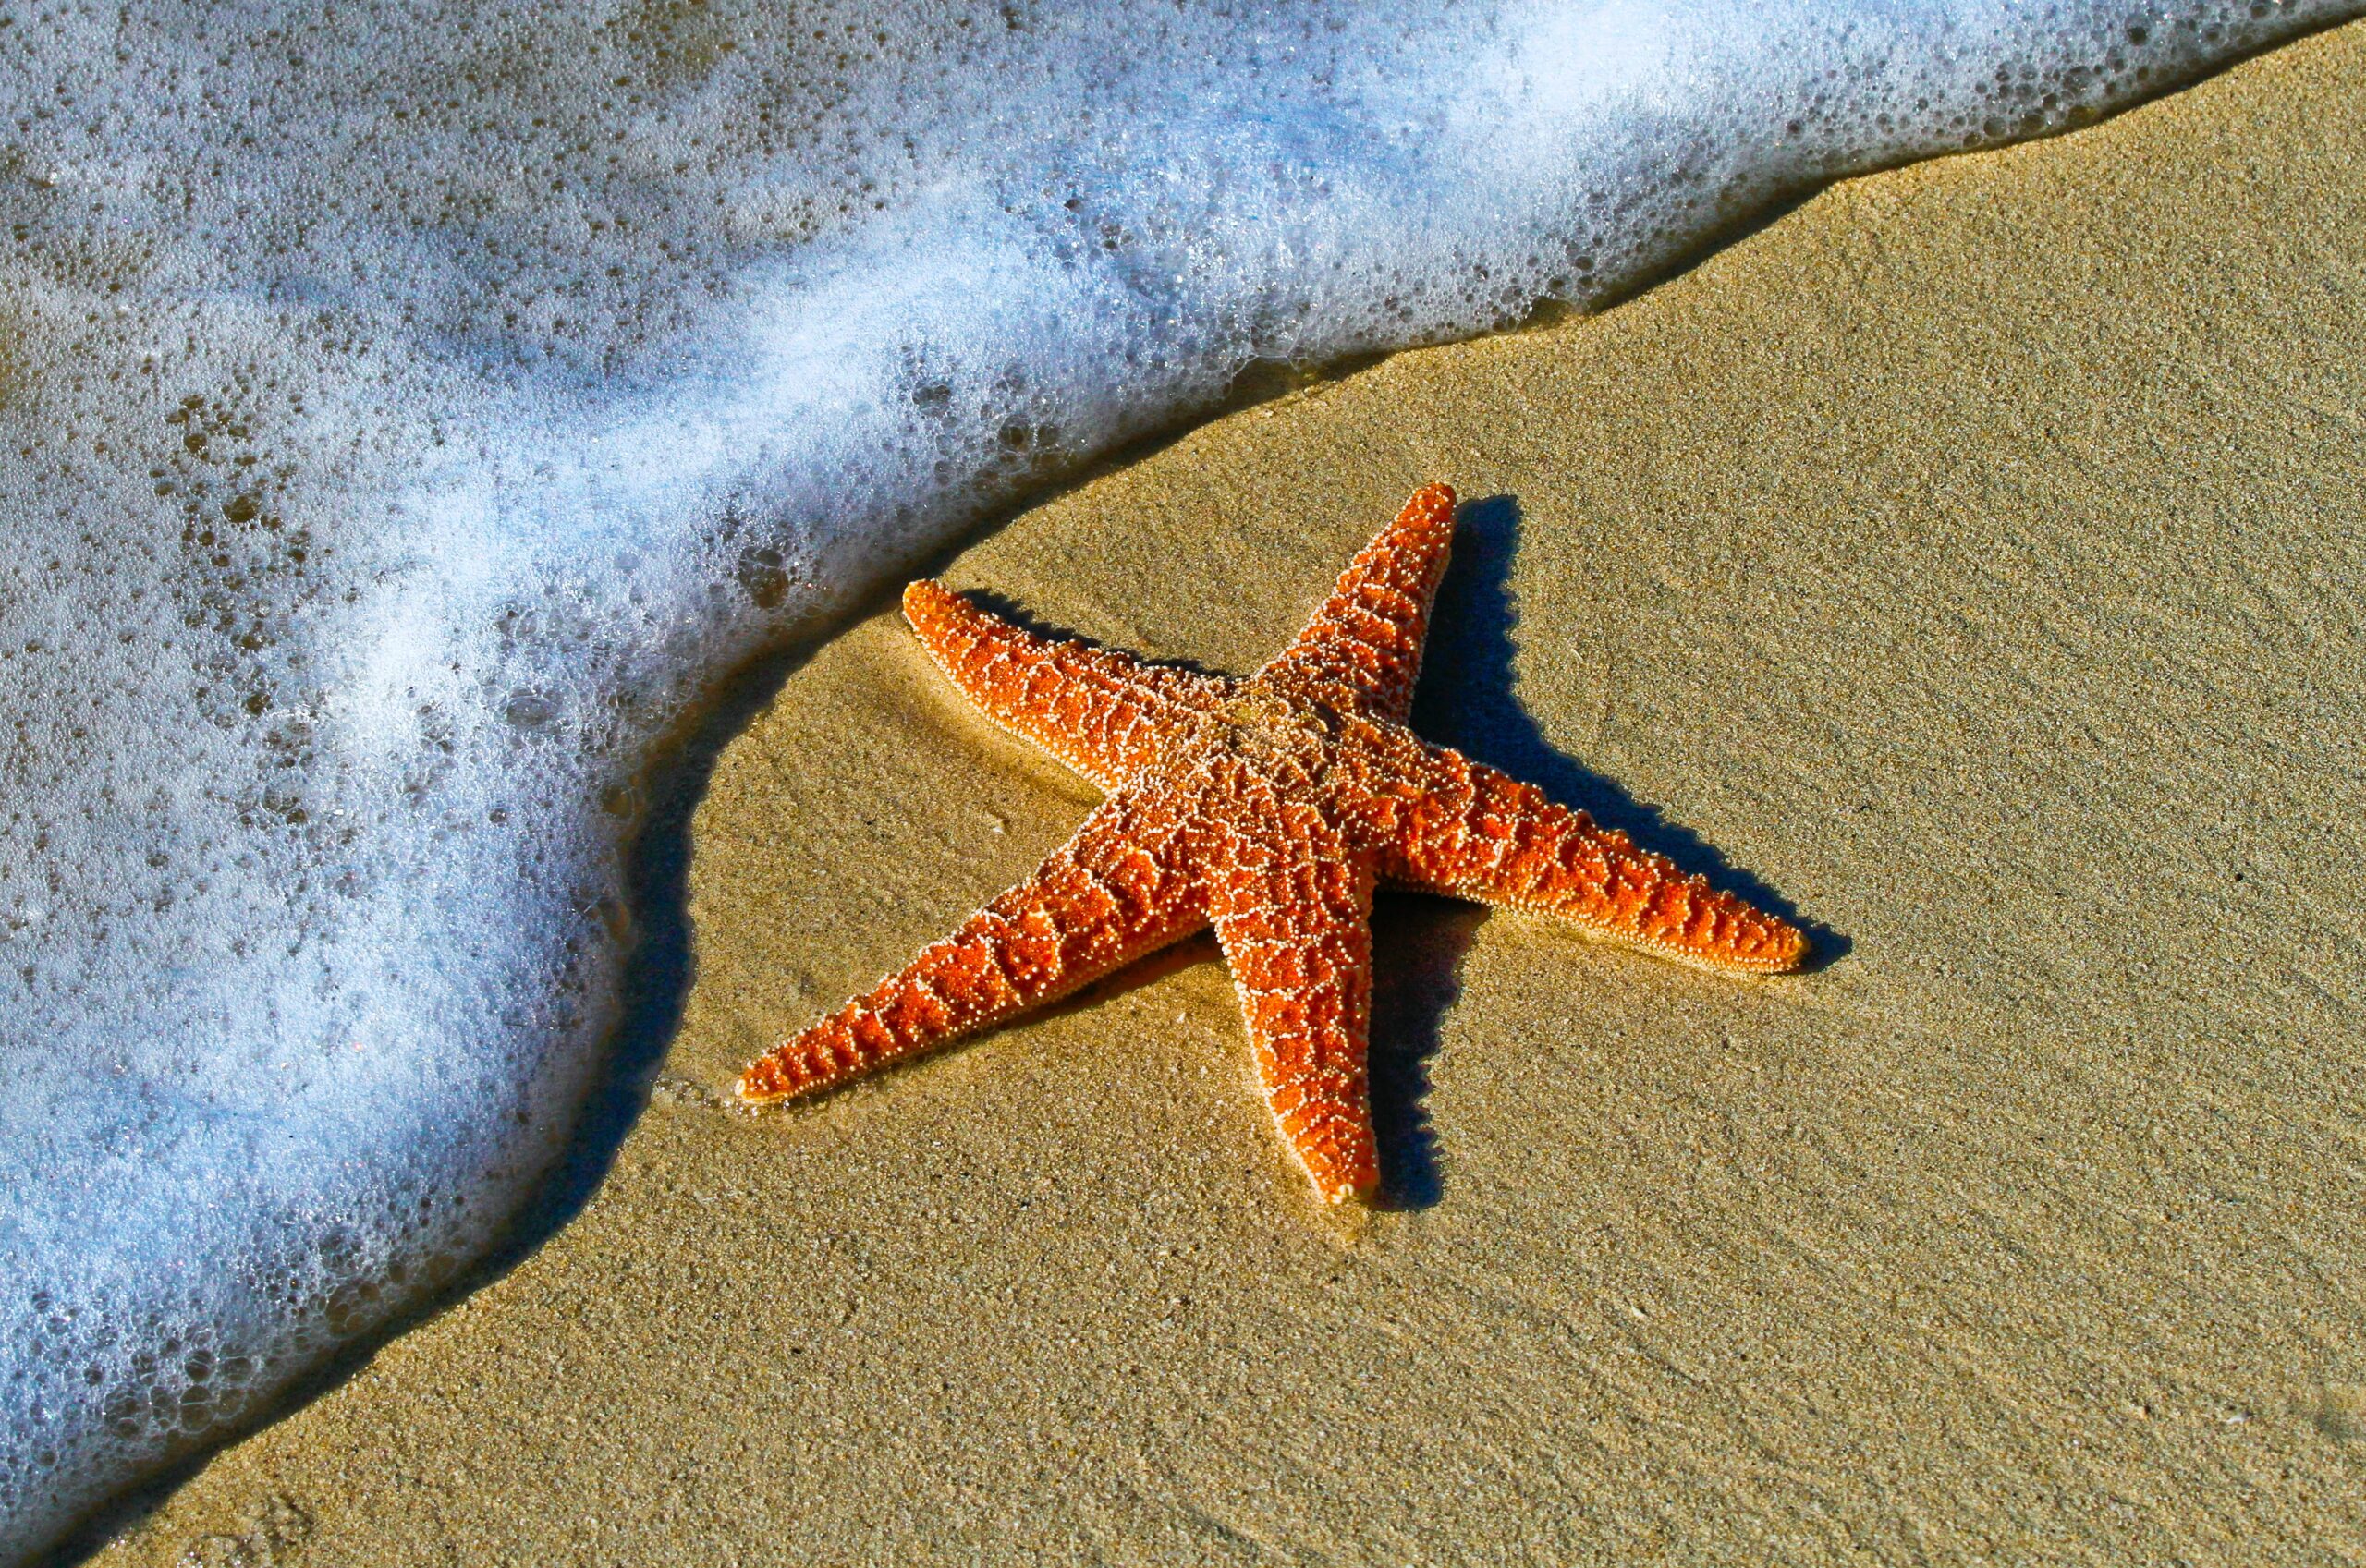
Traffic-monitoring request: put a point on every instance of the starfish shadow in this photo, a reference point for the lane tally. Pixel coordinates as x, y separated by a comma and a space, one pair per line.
1469, 699
1418, 945
1019, 615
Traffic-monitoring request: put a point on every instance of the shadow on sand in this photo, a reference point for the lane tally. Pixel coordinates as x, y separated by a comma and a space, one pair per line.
1469, 699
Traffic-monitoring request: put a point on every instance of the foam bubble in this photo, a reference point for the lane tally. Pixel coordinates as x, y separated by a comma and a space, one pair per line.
403, 410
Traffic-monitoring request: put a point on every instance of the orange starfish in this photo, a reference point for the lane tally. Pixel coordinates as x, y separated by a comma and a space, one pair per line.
1267, 808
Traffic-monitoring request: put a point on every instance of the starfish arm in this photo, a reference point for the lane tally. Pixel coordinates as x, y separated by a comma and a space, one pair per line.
1114, 892
1480, 834
1295, 919
1100, 711
1365, 640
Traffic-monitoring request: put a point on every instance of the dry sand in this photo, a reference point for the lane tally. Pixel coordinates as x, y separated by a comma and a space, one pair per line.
1971, 560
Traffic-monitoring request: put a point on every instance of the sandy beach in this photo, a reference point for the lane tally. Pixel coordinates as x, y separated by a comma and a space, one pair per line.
1970, 564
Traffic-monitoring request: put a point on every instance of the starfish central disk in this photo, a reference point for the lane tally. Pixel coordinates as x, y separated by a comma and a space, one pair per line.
1268, 807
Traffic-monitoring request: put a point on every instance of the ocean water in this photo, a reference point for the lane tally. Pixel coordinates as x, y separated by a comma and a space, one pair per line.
406, 409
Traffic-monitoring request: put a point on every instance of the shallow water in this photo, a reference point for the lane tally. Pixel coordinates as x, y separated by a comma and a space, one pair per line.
408, 410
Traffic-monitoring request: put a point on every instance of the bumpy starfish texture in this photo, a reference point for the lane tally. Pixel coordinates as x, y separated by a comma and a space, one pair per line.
1268, 807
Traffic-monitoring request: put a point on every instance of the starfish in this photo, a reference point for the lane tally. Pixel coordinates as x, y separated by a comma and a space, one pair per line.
1268, 807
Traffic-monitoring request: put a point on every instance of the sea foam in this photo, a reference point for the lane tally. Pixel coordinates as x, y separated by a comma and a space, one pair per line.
408, 409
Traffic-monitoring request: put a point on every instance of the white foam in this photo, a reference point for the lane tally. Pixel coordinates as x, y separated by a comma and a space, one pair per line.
406, 410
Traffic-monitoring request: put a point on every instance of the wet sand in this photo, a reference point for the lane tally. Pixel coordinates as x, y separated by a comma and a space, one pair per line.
1971, 563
